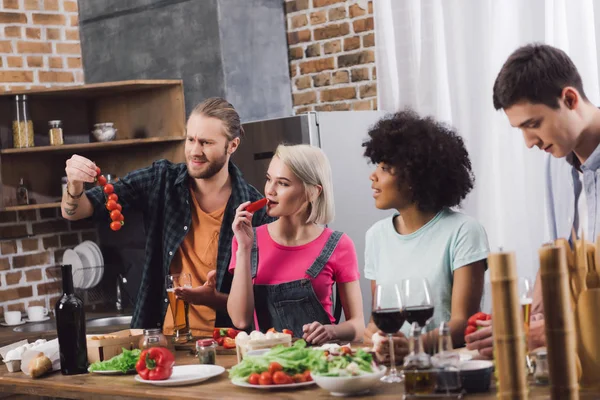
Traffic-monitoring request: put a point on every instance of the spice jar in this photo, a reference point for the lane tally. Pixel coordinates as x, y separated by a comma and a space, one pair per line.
541, 374
153, 338
207, 351
55, 133
22, 193
22, 125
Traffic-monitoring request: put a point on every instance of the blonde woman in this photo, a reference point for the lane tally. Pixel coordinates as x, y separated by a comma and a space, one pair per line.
284, 271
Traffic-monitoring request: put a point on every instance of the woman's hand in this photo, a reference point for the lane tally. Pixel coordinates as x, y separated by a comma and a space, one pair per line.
316, 333
242, 227
381, 345
482, 340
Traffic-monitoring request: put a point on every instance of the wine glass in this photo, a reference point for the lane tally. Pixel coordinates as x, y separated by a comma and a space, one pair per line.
388, 315
179, 308
418, 302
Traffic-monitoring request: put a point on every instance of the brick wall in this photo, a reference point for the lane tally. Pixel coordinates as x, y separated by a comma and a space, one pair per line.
331, 52
39, 44
39, 47
29, 274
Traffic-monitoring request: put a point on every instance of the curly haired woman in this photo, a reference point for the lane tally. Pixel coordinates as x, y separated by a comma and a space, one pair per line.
422, 171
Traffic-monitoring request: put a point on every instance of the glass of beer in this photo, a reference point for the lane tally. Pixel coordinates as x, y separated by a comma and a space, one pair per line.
179, 308
526, 299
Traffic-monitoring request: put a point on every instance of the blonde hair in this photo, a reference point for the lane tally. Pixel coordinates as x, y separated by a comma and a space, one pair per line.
216, 107
311, 166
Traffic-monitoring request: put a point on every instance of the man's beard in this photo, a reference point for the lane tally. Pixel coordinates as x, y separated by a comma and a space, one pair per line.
211, 170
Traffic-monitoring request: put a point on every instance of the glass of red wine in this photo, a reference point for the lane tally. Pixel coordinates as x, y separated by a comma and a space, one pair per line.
388, 315
418, 302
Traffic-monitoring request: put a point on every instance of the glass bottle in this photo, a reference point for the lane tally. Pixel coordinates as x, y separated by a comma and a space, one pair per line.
55, 133
447, 362
419, 378
22, 193
207, 351
153, 338
70, 327
22, 125
541, 374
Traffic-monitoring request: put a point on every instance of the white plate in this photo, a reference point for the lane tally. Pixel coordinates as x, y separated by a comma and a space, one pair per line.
187, 375
98, 261
96, 250
37, 320
72, 258
131, 371
271, 387
5, 324
90, 272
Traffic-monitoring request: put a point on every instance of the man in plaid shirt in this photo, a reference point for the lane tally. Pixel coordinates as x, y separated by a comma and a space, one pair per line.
188, 211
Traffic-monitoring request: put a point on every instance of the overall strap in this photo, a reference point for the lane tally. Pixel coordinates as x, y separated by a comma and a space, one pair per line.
316, 268
254, 256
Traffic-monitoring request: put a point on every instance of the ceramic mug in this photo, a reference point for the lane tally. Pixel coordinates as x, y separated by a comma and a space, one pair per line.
37, 313
12, 317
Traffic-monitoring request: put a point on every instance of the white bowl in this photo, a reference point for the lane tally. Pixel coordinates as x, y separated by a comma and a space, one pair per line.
349, 385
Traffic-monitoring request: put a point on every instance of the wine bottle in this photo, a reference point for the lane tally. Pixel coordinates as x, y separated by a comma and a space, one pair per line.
70, 326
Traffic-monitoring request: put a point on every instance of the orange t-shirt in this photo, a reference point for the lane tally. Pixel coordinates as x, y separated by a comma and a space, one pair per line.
197, 256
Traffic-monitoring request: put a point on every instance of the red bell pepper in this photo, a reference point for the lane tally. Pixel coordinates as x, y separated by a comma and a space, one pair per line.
472, 322
257, 205
232, 333
289, 332
155, 364
470, 329
480, 316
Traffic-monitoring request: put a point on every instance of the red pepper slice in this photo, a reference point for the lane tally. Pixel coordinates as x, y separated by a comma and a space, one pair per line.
257, 205
228, 343
155, 364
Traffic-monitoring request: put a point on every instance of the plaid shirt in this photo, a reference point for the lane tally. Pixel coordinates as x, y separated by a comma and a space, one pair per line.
162, 193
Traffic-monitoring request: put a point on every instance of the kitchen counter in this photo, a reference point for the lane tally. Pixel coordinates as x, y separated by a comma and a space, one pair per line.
93, 386
8, 335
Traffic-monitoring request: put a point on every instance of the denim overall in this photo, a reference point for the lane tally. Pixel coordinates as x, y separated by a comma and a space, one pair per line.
291, 305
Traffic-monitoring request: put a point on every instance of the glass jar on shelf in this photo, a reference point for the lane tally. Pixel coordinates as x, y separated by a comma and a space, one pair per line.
55, 133
22, 125
153, 338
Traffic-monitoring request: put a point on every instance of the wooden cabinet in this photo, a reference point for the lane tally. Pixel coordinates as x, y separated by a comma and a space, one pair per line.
149, 116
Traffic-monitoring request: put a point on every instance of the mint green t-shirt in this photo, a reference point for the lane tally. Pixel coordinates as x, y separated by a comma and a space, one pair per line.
449, 241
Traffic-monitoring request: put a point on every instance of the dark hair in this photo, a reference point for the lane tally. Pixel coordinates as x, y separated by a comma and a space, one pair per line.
537, 73
428, 156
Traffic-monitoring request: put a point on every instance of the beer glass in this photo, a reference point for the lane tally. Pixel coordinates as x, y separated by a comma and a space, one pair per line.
179, 308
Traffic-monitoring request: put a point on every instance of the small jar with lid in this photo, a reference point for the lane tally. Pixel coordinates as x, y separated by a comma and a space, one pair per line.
541, 374
153, 338
207, 351
55, 133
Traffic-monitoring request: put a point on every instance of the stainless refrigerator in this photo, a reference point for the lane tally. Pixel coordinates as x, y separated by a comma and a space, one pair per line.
340, 135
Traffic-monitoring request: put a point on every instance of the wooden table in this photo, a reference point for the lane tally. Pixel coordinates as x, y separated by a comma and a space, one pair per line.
93, 386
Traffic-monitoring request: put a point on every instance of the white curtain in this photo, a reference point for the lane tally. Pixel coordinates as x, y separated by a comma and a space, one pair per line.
441, 57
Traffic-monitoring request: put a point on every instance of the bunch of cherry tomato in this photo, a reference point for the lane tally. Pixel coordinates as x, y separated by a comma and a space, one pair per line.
112, 202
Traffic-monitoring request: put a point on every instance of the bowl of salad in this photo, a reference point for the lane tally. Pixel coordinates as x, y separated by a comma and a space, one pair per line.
347, 372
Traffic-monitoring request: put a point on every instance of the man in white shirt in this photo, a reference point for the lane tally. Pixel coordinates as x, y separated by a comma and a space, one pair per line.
541, 92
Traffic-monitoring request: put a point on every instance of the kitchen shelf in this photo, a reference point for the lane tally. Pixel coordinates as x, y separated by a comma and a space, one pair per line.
149, 116
94, 145
32, 207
